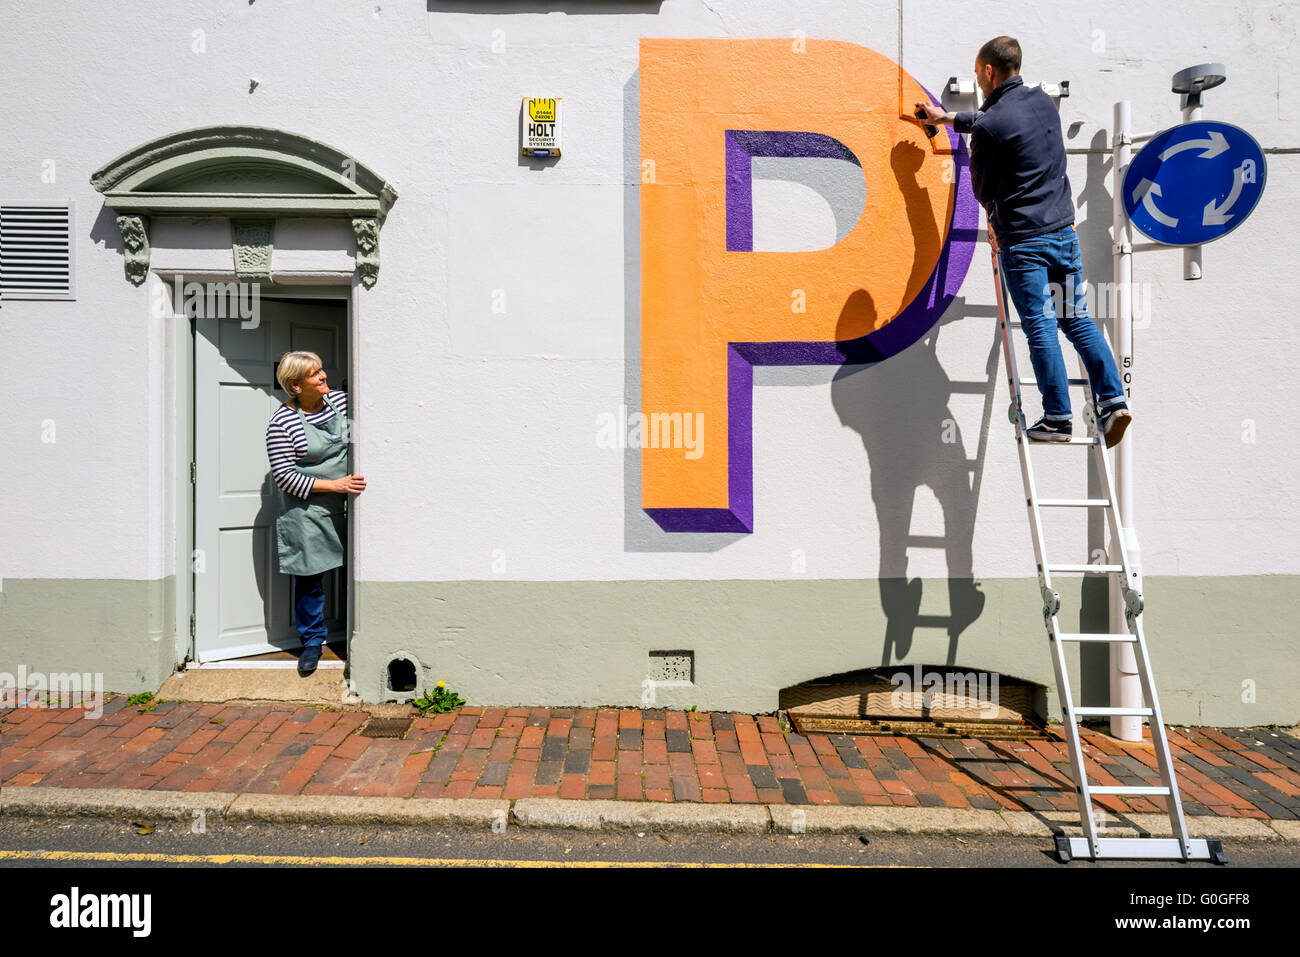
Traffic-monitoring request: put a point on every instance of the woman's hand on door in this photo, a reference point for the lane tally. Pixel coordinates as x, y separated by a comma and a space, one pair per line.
351, 484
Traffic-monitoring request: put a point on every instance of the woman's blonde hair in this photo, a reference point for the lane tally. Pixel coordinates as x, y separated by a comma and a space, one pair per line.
293, 366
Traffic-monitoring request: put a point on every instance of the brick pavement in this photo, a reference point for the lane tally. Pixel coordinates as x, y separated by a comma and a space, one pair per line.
624, 754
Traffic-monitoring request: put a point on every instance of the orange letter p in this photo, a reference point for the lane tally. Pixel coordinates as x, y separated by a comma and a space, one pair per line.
712, 307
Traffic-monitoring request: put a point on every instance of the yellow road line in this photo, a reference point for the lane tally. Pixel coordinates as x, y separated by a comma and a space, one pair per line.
290, 859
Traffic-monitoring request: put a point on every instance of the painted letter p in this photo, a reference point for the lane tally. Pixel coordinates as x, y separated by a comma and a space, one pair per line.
712, 307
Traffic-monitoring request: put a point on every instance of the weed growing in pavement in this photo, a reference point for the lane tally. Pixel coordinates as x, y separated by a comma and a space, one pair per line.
438, 700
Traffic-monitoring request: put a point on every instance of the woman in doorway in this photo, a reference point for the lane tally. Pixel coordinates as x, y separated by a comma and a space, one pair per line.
307, 445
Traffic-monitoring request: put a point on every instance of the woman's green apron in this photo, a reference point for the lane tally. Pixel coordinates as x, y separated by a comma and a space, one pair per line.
311, 533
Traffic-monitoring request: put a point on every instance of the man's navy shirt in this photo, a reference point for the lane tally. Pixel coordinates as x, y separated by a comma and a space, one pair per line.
1017, 161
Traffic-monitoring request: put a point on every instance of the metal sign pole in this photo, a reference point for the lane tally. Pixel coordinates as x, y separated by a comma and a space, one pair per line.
1191, 254
1166, 200
1125, 682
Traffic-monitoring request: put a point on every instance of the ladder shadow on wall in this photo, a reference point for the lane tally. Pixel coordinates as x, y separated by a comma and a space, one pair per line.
901, 407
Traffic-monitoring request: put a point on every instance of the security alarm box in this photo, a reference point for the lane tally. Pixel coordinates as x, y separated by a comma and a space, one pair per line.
540, 126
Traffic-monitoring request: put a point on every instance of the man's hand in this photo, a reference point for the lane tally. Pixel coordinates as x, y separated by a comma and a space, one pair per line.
933, 114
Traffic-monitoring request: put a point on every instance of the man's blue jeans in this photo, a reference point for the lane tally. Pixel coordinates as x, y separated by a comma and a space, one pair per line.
309, 608
1044, 277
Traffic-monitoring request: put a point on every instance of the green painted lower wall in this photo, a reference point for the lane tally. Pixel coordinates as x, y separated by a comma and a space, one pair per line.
124, 629
1223, 649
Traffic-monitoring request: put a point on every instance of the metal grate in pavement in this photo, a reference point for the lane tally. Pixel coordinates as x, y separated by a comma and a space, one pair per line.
387, 727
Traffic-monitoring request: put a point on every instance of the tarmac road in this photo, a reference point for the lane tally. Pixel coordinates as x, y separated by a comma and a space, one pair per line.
90, 842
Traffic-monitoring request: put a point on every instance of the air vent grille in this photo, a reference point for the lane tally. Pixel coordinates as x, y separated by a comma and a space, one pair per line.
36, 252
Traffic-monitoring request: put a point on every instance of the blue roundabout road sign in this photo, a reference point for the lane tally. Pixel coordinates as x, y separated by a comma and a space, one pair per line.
1194, 183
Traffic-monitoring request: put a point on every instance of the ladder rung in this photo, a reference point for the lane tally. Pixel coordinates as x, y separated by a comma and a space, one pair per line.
1074, 502
1088, 569
1104, 712
1127, 789
1034, 382
1072, 440
1096, 636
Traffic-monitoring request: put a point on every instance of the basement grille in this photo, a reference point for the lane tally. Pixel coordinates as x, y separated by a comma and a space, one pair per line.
922, 728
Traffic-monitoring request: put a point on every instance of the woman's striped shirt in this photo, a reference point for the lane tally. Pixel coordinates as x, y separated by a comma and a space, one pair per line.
286, 442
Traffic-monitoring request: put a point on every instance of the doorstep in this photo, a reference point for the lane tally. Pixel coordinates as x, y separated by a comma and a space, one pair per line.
325, 686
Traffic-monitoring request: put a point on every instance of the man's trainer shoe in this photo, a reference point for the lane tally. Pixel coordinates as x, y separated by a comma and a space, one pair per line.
1050, 430
1113, 422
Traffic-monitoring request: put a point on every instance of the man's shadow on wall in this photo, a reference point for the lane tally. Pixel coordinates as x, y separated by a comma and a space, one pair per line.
901, 407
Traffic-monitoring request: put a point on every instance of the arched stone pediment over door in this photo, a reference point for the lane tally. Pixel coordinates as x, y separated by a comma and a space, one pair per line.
252, 175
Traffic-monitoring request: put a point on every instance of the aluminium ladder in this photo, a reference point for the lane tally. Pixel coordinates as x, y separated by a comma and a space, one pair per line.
1180, 846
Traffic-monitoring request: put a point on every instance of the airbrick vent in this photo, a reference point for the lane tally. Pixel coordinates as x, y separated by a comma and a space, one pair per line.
401, 675
672, 666
36, 251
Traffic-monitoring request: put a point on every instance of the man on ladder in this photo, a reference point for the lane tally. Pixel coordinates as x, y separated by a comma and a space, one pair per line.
1018, 174
1017, 157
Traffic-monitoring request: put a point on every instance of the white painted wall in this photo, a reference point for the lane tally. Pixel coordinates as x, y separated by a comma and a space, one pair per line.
478, 430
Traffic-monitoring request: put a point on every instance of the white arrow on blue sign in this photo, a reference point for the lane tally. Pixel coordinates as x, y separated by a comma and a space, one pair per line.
1194, 183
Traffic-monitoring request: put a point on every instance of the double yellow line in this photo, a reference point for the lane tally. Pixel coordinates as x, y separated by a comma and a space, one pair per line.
113, 857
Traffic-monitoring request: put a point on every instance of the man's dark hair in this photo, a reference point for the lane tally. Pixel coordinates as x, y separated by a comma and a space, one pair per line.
1003, 54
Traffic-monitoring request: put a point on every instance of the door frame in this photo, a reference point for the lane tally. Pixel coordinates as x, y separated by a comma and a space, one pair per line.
310, 280
216, 226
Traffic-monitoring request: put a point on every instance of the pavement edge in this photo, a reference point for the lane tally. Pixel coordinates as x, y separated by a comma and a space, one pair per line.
593, 815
